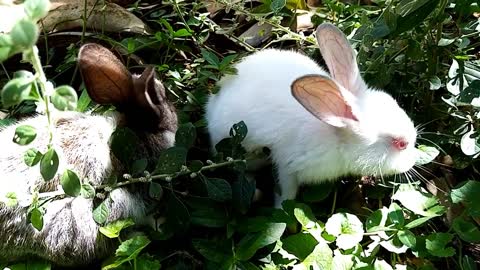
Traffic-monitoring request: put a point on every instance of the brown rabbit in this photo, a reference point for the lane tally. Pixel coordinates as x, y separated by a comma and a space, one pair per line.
70, 235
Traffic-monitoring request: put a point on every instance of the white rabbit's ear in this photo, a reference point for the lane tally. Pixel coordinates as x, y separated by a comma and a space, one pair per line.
339, 57
324, 99
107, 80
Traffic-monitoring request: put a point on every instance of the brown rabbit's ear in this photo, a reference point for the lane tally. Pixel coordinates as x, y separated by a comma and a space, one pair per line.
148, 91
324, 99
107, 80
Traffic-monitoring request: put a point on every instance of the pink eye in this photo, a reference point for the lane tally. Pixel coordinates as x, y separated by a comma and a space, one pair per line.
399, 143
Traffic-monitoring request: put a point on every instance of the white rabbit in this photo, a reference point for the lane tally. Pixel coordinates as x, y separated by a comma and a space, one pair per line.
319, 126
70, 235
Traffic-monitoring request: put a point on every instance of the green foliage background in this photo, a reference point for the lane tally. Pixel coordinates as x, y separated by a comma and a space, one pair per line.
425, 53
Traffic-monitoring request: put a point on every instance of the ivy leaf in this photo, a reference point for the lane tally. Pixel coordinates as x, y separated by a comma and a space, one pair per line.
467, 193
36, 218
436, 244
407, 238
301, 245
250, 243
127, 251
321, 257
185, 135
426, 154
210, 57
24, 33
49, 164
304, 215
155, 191
123, 144
419, 202
218, 189
37, 9
32, 157
24, 135
277, 5
347, 228
113, 229
15, 91
64, 98
242, 193
70, 183
87, 191
466, 230
214, 250
171, 160
100, 214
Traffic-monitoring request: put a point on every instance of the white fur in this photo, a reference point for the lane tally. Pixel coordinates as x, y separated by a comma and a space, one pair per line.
305, 149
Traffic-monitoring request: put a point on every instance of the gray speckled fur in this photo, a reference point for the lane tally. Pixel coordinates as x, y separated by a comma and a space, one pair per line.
70, 235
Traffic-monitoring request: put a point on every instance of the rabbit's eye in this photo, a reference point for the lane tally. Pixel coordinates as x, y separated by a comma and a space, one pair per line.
399, 143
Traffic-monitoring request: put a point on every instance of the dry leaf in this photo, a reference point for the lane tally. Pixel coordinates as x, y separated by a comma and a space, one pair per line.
109, 17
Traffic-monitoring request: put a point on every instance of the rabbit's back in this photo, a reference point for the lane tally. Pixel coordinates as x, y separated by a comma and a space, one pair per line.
80, 140
260, 95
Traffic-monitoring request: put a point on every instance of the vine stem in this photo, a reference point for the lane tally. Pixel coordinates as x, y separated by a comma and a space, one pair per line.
170, 175
42, 81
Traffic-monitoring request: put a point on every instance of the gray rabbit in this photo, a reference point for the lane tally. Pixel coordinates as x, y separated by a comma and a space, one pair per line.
70, 235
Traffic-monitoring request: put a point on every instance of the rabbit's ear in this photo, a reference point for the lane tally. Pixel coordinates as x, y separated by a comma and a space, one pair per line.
107, 80
339, 57
323, 98
149, 92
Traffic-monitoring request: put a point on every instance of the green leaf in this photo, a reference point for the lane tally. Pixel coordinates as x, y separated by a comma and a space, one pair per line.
15, 91
87, 191
426, 154
177, 214
139, 166
304, 215
242, 193
301, 245
147, 262
417, 222
419, 202
24, 135
64, 98
36, 218
407, 238
413, 17
468, 263
49, 164
320, 258
11, 199
395, 214
471, 92
127, 251
185, 135
70, 183
277, 5
381, 265
123, 144
466, 230
218, 189
182, 33
32, 157
214, 250
113, 229
24, 33
208, 214
317, 192
406, 7
436, 244
210, 57
238, 132
347, 228
83, 101
100, 214
171, 160
467, 193
155, 191
37, 9
250, 243
30, 264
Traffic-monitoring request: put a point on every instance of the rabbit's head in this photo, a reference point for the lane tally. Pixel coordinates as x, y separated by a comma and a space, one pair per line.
141, 99
379, 135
